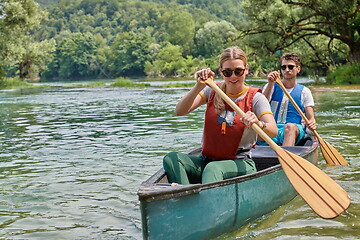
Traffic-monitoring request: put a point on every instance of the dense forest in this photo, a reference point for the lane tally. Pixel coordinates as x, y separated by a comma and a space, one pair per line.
111, 38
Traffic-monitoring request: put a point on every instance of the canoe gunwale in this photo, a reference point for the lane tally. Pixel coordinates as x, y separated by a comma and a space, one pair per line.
150, 191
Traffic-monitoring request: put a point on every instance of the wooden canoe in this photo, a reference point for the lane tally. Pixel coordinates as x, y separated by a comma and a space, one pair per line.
205, 211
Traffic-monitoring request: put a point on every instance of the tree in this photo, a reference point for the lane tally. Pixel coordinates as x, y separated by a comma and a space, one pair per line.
35, 58
180, 29
211, 40
130, 51
17, 19
74, 55
286, 22
168, 61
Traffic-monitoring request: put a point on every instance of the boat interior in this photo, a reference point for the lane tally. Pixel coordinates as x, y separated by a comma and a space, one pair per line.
263, 156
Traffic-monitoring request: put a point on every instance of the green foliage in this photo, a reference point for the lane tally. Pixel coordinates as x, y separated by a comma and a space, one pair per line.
213, 38
74, 56
169, 60
90, 85
18, 48
2, 72
96, 84
229, 10
124, 82
129, 52
347, 74
178, 85
323, 30
132, 33
110, 38
180, 29
9, 83
47, 2
36, 57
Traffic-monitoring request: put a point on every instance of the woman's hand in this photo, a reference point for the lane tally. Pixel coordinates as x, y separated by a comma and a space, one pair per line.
204, 74
249, 119
192, 99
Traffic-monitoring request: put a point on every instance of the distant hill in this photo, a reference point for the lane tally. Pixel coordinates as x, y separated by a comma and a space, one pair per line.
96, 38
229, 10
46, 3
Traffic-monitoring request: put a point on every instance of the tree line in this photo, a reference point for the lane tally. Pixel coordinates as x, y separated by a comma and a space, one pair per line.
112, 38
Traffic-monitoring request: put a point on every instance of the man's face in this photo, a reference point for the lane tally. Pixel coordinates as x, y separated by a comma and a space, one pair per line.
289, 69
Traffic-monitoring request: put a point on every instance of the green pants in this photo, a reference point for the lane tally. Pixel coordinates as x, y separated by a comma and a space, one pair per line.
185, 169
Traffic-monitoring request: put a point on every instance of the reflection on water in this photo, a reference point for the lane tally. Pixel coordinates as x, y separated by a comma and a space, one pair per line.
71, 160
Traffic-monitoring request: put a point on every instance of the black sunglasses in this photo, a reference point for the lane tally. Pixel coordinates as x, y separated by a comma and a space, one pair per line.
290, 67
238, 72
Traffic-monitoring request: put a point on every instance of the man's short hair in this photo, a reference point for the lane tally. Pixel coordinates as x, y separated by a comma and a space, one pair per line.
291, 56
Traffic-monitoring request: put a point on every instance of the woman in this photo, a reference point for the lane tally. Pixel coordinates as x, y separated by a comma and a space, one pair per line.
227, 137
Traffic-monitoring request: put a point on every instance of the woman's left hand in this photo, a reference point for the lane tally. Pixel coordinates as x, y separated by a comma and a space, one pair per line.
249, 119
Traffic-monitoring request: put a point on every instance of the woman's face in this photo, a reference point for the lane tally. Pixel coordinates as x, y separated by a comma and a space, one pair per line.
234, 71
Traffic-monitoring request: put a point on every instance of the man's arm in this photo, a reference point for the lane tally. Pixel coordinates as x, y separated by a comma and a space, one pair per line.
269, 90
270, 86
309, 112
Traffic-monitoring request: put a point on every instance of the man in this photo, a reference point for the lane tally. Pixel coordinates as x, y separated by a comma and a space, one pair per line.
291, 128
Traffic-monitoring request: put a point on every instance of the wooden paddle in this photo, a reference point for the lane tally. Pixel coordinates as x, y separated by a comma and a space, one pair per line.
322, 193
331, 155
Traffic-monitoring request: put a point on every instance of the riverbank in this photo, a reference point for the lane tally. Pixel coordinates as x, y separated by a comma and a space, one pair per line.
169, 82
9, 83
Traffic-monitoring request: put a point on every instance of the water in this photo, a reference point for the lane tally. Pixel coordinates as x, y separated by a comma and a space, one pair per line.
72, 159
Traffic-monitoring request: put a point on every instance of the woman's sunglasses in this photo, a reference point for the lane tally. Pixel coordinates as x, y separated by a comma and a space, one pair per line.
290, 67
238, 72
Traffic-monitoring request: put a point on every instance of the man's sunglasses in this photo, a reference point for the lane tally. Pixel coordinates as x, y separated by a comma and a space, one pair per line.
238, 72
290, 67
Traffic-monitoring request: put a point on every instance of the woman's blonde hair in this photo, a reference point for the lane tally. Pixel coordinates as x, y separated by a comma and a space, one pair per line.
228, 54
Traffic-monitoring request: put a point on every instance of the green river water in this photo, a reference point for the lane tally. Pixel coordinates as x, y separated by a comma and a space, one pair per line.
72, 159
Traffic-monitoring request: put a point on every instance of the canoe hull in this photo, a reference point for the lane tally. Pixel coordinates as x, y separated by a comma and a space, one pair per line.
204, 211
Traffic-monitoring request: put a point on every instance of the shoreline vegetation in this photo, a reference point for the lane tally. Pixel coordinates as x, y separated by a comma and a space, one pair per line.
14, 83
173, 82
81, 39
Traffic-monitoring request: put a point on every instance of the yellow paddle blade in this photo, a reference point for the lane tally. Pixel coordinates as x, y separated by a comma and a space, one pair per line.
331, 155
320, 192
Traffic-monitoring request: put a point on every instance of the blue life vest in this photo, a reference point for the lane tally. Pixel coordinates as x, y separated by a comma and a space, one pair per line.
292, 115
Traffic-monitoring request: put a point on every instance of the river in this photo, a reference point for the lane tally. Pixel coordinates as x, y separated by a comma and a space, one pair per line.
72, 159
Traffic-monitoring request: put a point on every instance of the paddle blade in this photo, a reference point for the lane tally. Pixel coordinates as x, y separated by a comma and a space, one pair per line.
331, 155
320, 192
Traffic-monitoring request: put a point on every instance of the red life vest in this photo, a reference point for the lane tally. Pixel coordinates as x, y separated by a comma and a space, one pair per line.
218, 145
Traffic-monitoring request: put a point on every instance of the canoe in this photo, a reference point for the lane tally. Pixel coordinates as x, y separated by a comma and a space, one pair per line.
205, 211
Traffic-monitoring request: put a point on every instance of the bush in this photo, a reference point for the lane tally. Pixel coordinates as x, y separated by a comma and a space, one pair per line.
179, 85
124, 82
347, 74
93, 84
13, 83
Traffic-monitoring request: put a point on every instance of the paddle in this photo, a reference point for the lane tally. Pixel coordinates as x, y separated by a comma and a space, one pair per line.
322, 193
331, 155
